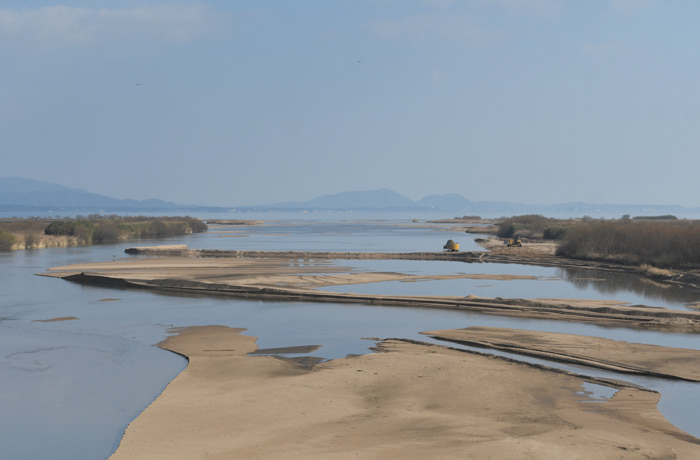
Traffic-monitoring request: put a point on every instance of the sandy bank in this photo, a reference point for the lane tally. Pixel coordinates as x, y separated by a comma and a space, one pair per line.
625, 357
292, 279
409, 400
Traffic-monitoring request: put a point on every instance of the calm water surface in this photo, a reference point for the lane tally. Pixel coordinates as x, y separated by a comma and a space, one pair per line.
71, 387
548, 282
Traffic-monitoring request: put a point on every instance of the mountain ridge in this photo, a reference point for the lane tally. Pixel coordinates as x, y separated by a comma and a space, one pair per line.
18, 193
26, 195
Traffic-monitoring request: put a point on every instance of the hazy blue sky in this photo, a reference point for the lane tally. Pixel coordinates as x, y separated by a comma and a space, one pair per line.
250, 102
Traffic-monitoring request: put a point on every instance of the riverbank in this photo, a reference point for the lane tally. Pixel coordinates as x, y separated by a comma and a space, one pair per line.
407, 400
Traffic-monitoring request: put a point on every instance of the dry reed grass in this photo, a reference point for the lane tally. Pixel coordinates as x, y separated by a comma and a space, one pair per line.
662, 244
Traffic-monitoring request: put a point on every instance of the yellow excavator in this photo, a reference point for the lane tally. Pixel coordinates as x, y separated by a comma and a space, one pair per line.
514, 242
451, 246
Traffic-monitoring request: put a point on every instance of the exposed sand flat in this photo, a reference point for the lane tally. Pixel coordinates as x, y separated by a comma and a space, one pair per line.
497, 245
206, 269
632, 358
292, 278
252, 272
410, 400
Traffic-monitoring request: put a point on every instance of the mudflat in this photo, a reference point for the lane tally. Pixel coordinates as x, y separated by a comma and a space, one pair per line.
407, 400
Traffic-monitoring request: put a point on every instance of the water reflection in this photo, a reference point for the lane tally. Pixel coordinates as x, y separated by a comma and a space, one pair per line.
611, 284
543, 282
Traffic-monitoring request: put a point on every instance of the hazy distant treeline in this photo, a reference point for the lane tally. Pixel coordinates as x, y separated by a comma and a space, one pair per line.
94, 229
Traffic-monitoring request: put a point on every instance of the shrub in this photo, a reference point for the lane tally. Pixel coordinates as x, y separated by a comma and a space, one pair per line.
198, 226
159, 229
59, 227
30, 241
23, 226
70, 228
81, 229
164, 227
664, 217
529, 226
7, 240
554, 233
100, 229
83, 233
106, 232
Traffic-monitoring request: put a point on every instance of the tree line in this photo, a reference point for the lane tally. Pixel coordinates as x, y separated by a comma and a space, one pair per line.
94, 229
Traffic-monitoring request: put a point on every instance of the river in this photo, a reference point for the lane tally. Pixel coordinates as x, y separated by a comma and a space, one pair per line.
72, 386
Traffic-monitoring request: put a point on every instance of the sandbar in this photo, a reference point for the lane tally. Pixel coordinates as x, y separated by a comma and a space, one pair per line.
408, 400
614, 355
289, 276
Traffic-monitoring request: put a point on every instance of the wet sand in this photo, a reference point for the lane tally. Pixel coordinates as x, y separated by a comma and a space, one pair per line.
408, 400
625, 357
294, 276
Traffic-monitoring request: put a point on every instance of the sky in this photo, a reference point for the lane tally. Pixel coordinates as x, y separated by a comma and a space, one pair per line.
233, 103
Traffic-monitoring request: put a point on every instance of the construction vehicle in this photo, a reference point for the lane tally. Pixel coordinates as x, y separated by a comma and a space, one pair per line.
514, 242
451, 246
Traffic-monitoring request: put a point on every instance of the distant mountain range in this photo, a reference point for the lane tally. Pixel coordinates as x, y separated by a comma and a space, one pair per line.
19, 194
390, 201
25, 195
380, 199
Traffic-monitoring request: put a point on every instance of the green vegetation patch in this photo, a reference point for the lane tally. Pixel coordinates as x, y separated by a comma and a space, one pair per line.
81, 229
533, 226
94, 229
7, 239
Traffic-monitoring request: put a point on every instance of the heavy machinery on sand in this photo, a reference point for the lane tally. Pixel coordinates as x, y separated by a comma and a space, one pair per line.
514, 242
451, 246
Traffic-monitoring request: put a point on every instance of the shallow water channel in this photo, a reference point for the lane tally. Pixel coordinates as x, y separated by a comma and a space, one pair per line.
71, 387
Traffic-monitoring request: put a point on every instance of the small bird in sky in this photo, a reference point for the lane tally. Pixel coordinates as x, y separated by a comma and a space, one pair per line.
138, 83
